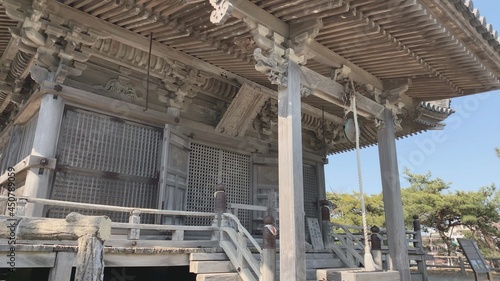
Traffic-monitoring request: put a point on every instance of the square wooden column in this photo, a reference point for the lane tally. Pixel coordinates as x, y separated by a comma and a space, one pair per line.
291, 203
393, 204
44, 144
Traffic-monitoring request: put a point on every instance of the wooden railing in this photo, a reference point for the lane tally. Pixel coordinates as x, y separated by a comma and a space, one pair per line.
234, 240
459, 262
348, 244
227, 230
134, 226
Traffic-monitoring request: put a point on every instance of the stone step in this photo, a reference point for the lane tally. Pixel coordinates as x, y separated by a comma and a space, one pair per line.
218, 277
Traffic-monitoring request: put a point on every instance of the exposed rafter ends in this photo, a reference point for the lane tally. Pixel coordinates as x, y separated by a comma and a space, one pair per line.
254, 16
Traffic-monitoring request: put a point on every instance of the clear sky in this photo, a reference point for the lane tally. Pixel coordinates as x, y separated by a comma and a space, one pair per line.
463, 153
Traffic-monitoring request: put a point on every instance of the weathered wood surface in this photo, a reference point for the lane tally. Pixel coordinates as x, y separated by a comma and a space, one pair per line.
218, 277
29, 162
90, 259
62, 268
211, 266
71, 228
29, 259
243, 110
291, 216
355, 275
393, 204
44, 145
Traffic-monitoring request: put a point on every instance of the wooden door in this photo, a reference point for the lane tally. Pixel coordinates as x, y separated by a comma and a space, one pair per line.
174, 173
265, 181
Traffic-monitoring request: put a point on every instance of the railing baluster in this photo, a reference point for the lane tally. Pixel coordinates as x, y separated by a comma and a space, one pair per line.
21, 207
135, 218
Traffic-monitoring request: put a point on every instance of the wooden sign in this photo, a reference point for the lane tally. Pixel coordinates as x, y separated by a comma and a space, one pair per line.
315, 233
473, 255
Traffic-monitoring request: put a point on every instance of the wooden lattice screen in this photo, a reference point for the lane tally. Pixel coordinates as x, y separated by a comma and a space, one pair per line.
107, 161
209, 166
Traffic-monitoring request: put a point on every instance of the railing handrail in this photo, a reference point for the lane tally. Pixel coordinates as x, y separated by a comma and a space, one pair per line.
382, 230
243, 230
91, 206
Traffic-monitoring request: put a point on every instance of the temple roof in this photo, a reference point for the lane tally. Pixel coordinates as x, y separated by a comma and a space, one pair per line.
440, 48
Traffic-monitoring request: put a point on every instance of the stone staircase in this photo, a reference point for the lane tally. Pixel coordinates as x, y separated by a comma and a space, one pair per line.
217, 266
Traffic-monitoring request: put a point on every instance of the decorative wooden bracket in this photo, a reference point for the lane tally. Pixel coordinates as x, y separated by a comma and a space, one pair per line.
242, 111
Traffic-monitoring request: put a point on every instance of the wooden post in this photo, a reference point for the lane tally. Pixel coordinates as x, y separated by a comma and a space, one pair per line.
393, 205
376, 247
135, 218
462, 266
291, 207
242, 241
326, 226
62, 267
90, 259
268, 262
44, 144
422, 267
21, 207
220, 207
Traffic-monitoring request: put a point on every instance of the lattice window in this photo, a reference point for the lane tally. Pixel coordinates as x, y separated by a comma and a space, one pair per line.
101, 143
108, 161
209, 166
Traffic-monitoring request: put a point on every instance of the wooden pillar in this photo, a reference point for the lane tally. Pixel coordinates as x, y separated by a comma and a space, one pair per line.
90, 259
393, 205
291, 203
44, 144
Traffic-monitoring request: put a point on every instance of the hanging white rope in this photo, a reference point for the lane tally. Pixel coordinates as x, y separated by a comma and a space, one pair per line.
368, 258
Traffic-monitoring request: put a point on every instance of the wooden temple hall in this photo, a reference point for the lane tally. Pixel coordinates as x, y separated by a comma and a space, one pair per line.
157, 139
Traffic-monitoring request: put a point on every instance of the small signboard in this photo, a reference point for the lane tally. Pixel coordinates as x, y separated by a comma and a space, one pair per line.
474, 256
315, 233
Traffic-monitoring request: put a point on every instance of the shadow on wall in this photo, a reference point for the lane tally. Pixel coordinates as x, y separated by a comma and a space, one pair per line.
173, 273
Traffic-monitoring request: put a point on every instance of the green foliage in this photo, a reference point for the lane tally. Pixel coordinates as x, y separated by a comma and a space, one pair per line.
441, 210
498, 151
437, 207
348, 209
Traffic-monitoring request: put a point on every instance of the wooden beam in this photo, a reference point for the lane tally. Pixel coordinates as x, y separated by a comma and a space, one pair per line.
291, 206
71, 228
29, 162
328, 57
332, 92
393, 204
106, 104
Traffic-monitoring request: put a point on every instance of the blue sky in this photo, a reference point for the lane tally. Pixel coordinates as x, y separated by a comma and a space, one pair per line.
463, 153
